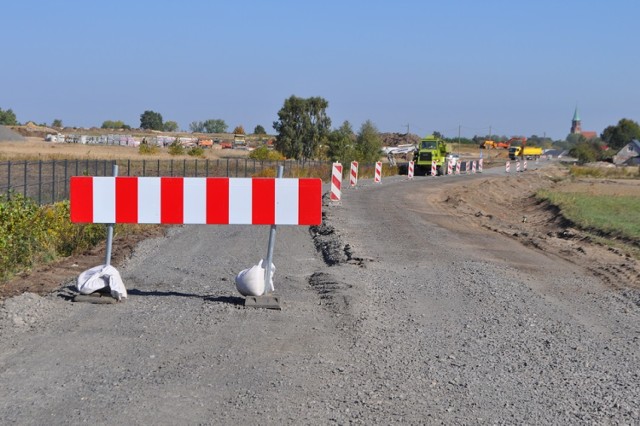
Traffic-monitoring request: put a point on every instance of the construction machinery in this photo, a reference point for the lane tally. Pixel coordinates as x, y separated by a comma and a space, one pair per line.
430, 149
502, 144
527, 152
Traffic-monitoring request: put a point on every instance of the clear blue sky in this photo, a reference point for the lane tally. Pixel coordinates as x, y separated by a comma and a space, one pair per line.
520, 67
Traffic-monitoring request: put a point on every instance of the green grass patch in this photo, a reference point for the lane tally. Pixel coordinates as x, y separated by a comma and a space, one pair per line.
612, 215
605, 172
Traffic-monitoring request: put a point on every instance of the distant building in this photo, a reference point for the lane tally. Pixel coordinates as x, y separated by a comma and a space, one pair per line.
576, 127
629, 155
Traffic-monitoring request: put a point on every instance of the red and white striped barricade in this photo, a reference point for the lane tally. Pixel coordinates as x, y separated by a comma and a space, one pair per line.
469, 167
353, 180
458, 168
178, 200
336, 182
473, 167
410, 170
517, 166
480, 165
434, 168
507, 166
378, 176
449, 167
524, 165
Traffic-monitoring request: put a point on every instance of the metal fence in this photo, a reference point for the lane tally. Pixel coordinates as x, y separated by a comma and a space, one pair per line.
48, 181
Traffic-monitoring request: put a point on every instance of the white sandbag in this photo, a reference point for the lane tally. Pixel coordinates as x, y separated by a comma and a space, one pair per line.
250, 282
99, 277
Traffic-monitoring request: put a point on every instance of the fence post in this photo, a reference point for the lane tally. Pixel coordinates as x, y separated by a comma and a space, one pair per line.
39, 182
144, 168
158, 167
227, 167
9, 180
196, 168
24, 190
66, 179
53, 182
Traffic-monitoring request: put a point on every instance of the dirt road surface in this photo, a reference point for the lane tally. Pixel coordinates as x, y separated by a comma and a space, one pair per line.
414, 302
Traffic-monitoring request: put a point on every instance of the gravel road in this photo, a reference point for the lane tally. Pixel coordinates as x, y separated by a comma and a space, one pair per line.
391, 314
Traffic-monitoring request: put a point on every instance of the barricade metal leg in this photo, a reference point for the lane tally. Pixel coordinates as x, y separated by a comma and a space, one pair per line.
267, 300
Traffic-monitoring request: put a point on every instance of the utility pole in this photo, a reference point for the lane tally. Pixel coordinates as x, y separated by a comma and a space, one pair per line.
407, 137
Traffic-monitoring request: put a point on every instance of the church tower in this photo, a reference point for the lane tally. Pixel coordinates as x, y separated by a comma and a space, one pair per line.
576, 127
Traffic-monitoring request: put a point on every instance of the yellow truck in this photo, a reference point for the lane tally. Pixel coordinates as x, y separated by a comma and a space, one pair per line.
527, 152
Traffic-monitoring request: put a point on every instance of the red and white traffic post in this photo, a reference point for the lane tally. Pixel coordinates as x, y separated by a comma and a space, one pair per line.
410, 168
336, 182
378, 175
353, 179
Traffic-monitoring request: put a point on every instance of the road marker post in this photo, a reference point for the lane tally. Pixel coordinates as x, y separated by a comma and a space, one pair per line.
480, 165
336, 182
507, 166
410, 169
378, 173
353, 180
434, 168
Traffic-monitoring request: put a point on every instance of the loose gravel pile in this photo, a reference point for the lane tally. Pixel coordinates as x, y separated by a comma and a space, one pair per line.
8, 135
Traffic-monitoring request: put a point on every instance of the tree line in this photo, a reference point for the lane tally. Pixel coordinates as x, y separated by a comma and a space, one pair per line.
303, 132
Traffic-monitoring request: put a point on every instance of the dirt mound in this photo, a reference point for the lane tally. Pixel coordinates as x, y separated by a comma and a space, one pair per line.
509, 206
395, 139
8, 135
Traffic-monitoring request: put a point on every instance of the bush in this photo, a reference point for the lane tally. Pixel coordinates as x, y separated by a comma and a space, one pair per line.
265, 154
196, 151
176, 148
31, 234
147, 149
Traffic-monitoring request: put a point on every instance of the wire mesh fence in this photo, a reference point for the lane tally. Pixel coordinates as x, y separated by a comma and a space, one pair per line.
48, 181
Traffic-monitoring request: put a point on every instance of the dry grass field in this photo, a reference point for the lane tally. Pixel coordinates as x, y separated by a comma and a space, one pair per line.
38, 149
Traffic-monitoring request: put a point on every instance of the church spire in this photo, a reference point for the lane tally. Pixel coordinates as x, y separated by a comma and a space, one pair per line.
576, 126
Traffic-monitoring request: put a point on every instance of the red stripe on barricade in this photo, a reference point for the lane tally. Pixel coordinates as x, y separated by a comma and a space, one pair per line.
126, 200
81, 198
218, 201
263, 201
309, 208
171, 200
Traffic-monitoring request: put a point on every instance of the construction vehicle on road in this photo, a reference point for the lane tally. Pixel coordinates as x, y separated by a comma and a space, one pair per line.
431, 148
528, 152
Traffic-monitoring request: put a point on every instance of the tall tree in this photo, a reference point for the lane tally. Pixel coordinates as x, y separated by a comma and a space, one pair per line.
170, 126
341, 144
302, 124
215, 126
259, 130
8, 117
368, 143
621, 134
238, 130
151, 120
56, 123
